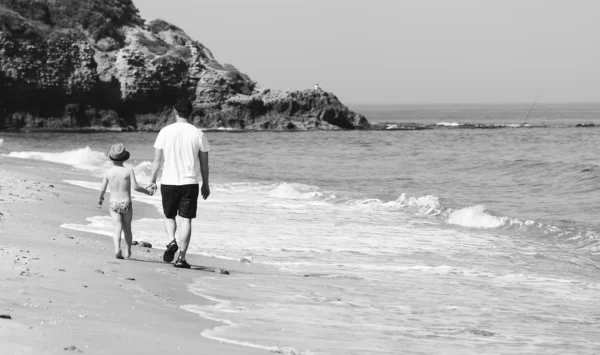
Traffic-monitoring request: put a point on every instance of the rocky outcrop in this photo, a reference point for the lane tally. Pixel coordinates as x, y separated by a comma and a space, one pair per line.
81, 64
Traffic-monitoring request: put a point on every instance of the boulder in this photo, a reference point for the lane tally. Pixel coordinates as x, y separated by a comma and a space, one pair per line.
96, 64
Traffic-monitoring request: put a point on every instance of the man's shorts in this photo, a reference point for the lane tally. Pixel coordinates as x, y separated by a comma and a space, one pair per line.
180, 199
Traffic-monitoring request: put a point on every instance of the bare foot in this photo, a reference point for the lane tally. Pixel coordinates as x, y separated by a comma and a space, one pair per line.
128, 252
119, 255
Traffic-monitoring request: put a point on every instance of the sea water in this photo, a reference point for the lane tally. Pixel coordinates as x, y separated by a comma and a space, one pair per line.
447, 240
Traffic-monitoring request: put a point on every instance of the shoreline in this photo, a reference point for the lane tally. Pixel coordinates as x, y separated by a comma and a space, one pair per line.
65, 287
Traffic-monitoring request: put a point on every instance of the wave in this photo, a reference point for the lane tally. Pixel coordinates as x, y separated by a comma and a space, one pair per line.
84, 158
295, 192
476, 216
479, 217
209, 333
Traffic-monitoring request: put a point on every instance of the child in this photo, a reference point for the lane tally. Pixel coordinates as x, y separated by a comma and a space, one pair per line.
121, 180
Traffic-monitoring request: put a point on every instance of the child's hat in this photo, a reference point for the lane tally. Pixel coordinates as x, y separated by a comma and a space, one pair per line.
118, 153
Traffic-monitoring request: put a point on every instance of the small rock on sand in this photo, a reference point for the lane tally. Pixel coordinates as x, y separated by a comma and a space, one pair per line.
145, 244
246, 259
99, 271
72, 348
5, 316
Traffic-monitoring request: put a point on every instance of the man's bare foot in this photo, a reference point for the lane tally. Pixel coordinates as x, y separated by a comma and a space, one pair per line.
128, 252
118, 255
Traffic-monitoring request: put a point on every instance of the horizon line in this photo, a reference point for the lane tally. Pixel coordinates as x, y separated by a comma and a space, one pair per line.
442, 103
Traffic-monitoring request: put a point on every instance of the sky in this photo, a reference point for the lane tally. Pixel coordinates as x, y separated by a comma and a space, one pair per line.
403, 51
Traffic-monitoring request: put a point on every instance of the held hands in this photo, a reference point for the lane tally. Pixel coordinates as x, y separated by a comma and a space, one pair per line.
151, 188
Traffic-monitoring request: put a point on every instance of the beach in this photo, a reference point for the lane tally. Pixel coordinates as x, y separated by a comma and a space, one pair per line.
65, 292
446, 240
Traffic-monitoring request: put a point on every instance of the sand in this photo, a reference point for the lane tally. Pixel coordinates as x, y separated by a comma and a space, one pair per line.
66, 293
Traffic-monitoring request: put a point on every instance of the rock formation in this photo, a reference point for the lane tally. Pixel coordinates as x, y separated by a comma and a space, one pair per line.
96, 64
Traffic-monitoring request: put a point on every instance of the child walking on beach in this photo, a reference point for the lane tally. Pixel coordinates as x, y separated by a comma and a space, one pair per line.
121, 179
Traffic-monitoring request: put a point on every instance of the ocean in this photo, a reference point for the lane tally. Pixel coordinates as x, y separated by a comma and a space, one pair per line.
459, 229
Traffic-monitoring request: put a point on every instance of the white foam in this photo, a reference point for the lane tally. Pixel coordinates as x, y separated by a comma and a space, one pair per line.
1, 142
295, 192
84, 158
476, 217
425, 204
229, 324
99, 225
448, 124
85, 184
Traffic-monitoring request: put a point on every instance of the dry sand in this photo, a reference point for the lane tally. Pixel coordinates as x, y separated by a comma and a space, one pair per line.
65, 292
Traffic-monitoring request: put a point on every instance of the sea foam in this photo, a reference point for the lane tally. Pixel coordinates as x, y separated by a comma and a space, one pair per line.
476, 217
84, 158
295, 192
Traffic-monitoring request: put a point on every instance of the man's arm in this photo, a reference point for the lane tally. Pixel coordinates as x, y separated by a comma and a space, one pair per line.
158, 159
205, 190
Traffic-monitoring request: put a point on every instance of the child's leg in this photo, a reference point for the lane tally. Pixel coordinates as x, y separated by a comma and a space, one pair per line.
127, 218
117, 228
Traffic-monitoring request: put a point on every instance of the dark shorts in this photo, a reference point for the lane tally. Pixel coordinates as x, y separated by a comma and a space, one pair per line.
182, 200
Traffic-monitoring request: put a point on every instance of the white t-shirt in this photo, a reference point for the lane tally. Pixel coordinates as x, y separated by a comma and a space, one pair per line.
181, 143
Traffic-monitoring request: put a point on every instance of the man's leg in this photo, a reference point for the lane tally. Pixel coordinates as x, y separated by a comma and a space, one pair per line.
185, 234
170, 227
187, 211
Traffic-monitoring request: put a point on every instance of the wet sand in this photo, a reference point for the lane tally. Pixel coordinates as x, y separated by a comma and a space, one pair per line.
62, 291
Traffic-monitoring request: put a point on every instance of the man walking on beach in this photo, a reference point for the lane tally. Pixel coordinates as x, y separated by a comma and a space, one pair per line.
184, 149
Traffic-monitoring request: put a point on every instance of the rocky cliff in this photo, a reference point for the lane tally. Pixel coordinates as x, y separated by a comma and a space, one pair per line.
96, 64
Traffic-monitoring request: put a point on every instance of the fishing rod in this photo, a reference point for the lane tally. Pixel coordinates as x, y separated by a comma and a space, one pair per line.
531, 108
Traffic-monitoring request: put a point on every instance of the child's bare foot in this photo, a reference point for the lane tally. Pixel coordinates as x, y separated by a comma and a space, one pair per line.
118, 255
128, 252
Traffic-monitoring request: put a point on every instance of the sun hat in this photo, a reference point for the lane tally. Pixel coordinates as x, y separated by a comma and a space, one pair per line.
118, 153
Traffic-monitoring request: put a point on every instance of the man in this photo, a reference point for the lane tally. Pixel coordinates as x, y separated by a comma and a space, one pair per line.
184, 149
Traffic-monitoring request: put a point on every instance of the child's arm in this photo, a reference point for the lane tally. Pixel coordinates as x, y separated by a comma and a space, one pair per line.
103, 189
136, 186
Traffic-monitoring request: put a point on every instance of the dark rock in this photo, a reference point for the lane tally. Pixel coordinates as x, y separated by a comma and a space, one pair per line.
81, 65
145, 245
72, 348
5, 316
130, 279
